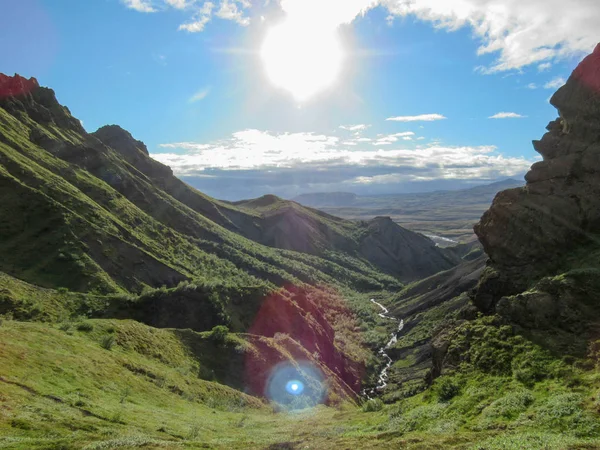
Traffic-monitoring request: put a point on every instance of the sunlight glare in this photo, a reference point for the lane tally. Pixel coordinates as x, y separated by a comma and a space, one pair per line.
302, 60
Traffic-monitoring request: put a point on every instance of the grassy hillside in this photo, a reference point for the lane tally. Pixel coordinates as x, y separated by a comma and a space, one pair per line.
64, 387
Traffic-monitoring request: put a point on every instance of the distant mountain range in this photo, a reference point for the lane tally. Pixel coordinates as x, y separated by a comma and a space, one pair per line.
463, 196
447, 214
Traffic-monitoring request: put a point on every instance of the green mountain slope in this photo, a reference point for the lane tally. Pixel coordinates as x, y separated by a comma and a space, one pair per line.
113, 227
382, 243
87, 229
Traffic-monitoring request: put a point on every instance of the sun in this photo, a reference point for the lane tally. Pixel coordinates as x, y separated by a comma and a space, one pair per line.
302, 60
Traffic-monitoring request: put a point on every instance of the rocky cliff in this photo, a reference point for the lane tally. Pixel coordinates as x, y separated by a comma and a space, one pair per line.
542, 239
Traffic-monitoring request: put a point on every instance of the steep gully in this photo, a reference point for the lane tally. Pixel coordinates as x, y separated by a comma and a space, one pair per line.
383, 375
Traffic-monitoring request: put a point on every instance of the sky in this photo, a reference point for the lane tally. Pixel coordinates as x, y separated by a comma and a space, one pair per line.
243, 98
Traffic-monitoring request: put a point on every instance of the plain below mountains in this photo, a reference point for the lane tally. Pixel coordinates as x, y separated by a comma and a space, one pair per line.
447, 215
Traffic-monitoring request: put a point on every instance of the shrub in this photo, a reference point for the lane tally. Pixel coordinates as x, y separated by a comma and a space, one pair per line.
107, 342
421, 418
565, 413
279, 337
372, 405
397, 410
85, 327
558, 407
446, 388
510, 405
219, 333
530, 367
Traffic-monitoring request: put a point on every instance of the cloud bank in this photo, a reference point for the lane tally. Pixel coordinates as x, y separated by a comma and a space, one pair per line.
253, 162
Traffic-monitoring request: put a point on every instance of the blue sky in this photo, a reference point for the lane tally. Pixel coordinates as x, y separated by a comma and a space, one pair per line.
188, 78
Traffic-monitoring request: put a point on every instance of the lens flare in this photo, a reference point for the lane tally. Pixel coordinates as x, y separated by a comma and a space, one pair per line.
300, 385
294, 387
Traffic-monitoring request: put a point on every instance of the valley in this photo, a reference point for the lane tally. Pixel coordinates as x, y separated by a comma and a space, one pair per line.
138, 312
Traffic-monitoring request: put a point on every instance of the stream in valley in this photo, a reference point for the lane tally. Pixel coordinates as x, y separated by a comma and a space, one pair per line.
383, 375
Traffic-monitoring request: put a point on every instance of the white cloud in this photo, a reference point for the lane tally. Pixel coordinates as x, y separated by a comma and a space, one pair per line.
144, 6
326, 13
544, 66
532, 86
229, 11
421, 118
506, 115
358, 127
391, 138
201, 17
270, 153
196, 25
555, 83
179, 4
200, 95
160, 59
520, 32
202, 12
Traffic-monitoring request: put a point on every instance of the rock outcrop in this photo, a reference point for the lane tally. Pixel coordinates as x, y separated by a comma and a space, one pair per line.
22, 97
17, 85
543, 240
529, 231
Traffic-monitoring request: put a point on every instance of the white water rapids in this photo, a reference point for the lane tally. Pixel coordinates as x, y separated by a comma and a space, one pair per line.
383, 375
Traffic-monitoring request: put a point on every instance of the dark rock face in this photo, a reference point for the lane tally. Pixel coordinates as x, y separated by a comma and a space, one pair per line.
527, 232
116, 137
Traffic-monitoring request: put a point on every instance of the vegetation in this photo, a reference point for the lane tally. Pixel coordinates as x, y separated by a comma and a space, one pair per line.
136, 312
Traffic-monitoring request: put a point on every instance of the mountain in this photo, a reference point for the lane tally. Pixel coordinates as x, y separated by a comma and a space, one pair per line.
426, 307
91, 226
508, 342
139, 211
384, 244
464, 196
448, 215
331, 199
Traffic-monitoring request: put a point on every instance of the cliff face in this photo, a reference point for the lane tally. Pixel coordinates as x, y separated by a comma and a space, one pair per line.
537, 236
